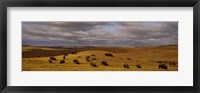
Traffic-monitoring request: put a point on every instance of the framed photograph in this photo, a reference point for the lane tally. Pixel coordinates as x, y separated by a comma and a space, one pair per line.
99, 46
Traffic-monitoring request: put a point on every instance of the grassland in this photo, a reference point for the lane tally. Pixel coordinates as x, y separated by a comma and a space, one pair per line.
36, 58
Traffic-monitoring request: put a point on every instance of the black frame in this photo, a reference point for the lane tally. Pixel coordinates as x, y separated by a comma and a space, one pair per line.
101, 3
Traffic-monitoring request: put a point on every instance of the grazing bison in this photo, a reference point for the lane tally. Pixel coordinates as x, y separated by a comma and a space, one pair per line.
53, 58
162, 66
109, 54
128, 58
62, 61
88, 59
74, 52
76, 61
138, 66
64, 57
104, 63
94, 59
173, 63
93, 64
92, 55
126, 66
50, 61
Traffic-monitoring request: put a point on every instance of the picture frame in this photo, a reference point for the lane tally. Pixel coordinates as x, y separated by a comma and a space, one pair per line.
103, 3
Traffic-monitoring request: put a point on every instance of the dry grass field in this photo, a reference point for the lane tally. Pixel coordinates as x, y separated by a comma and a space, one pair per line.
148, 57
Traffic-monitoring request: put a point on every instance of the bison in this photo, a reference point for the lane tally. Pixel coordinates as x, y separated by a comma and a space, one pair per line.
88, 59
104, 63
126, 66
109, 54
138, 66
74, 52
62, 61
162, 66
93, 64
94, 59
92, 55
128, 58
64, 57
76, 61
50, 61
172, 63
53, 58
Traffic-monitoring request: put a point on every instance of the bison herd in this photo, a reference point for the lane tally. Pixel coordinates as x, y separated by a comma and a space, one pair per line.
91, 59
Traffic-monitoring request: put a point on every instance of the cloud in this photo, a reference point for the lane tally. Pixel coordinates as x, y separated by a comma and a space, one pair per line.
99, 33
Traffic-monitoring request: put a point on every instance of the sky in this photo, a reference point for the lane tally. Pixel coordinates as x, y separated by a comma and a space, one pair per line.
106, 33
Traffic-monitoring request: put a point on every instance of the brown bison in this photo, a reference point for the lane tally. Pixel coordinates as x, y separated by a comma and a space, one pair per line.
64, 57
62, 61
53, 58
92, 55
128, 58
93, 64
126, 66
50, 61
104, 63
172, 63
88, 59
162, 66
138, 66
74, 52
76, 61
94, 59
109, 54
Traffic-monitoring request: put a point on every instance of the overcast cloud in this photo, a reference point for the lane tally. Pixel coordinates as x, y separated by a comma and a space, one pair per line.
99, 33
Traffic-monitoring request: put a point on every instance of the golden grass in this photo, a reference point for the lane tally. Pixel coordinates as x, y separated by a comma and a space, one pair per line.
147, 57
